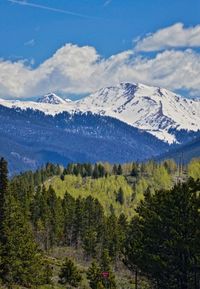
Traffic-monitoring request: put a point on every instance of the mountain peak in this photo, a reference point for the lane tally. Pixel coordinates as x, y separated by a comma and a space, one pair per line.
51, 98
150, 108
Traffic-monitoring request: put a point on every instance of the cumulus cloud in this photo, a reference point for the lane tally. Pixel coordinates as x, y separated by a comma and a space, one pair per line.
173, 36
81, 70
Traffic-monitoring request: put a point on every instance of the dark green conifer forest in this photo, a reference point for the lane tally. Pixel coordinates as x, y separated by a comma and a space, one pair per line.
66, 227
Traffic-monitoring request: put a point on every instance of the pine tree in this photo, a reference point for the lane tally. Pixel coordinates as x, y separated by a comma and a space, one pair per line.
114, 170
101, 170
88, 168
3, 190
122, 230
164, 239
119, 170
20, 259
94, 275
41, 217
68, 205
135, 170
95, 173
90, 242
105, 265
70, 274
77, 222
56, 217
120, 196
112, 236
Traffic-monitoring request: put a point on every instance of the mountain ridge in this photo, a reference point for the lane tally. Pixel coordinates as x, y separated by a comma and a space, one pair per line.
155, 110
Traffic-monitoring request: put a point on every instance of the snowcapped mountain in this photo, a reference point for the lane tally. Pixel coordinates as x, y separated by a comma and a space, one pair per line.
51, 98
152, 109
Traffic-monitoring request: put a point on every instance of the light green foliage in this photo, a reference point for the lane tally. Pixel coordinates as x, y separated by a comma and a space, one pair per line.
149, 175
154, 176
161, 178
140, 188
194, 169
104, 189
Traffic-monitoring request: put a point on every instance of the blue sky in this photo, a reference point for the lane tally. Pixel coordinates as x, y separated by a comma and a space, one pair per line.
113, 30
31, 33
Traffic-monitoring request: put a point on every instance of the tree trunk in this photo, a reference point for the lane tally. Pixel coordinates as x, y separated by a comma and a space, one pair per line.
136, 279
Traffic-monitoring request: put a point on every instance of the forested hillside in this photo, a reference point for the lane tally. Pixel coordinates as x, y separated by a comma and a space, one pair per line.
63, 227
29, 139
118, 187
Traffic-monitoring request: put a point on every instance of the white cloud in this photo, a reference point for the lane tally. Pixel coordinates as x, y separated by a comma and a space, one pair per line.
30, 43
106, 3
171, 37
81, 70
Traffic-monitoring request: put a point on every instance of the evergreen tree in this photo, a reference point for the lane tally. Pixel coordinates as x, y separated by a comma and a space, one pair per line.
95, 173
112, 237
114, 170
20, 259
77, 222
88, 168
68, 170
68, 205
164, 239
70, 274
119, 170
21, 262
3, 190
90, 242
101, 171
122, 229
94, 276
62, 177
105, 265
120, 196
135, 170
41, 217
56, 217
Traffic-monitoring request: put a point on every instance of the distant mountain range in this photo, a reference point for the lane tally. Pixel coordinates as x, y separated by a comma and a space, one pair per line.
158, 111
129, 122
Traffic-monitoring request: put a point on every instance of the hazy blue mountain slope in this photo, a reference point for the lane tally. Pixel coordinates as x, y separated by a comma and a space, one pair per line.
30, 138
185, 152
